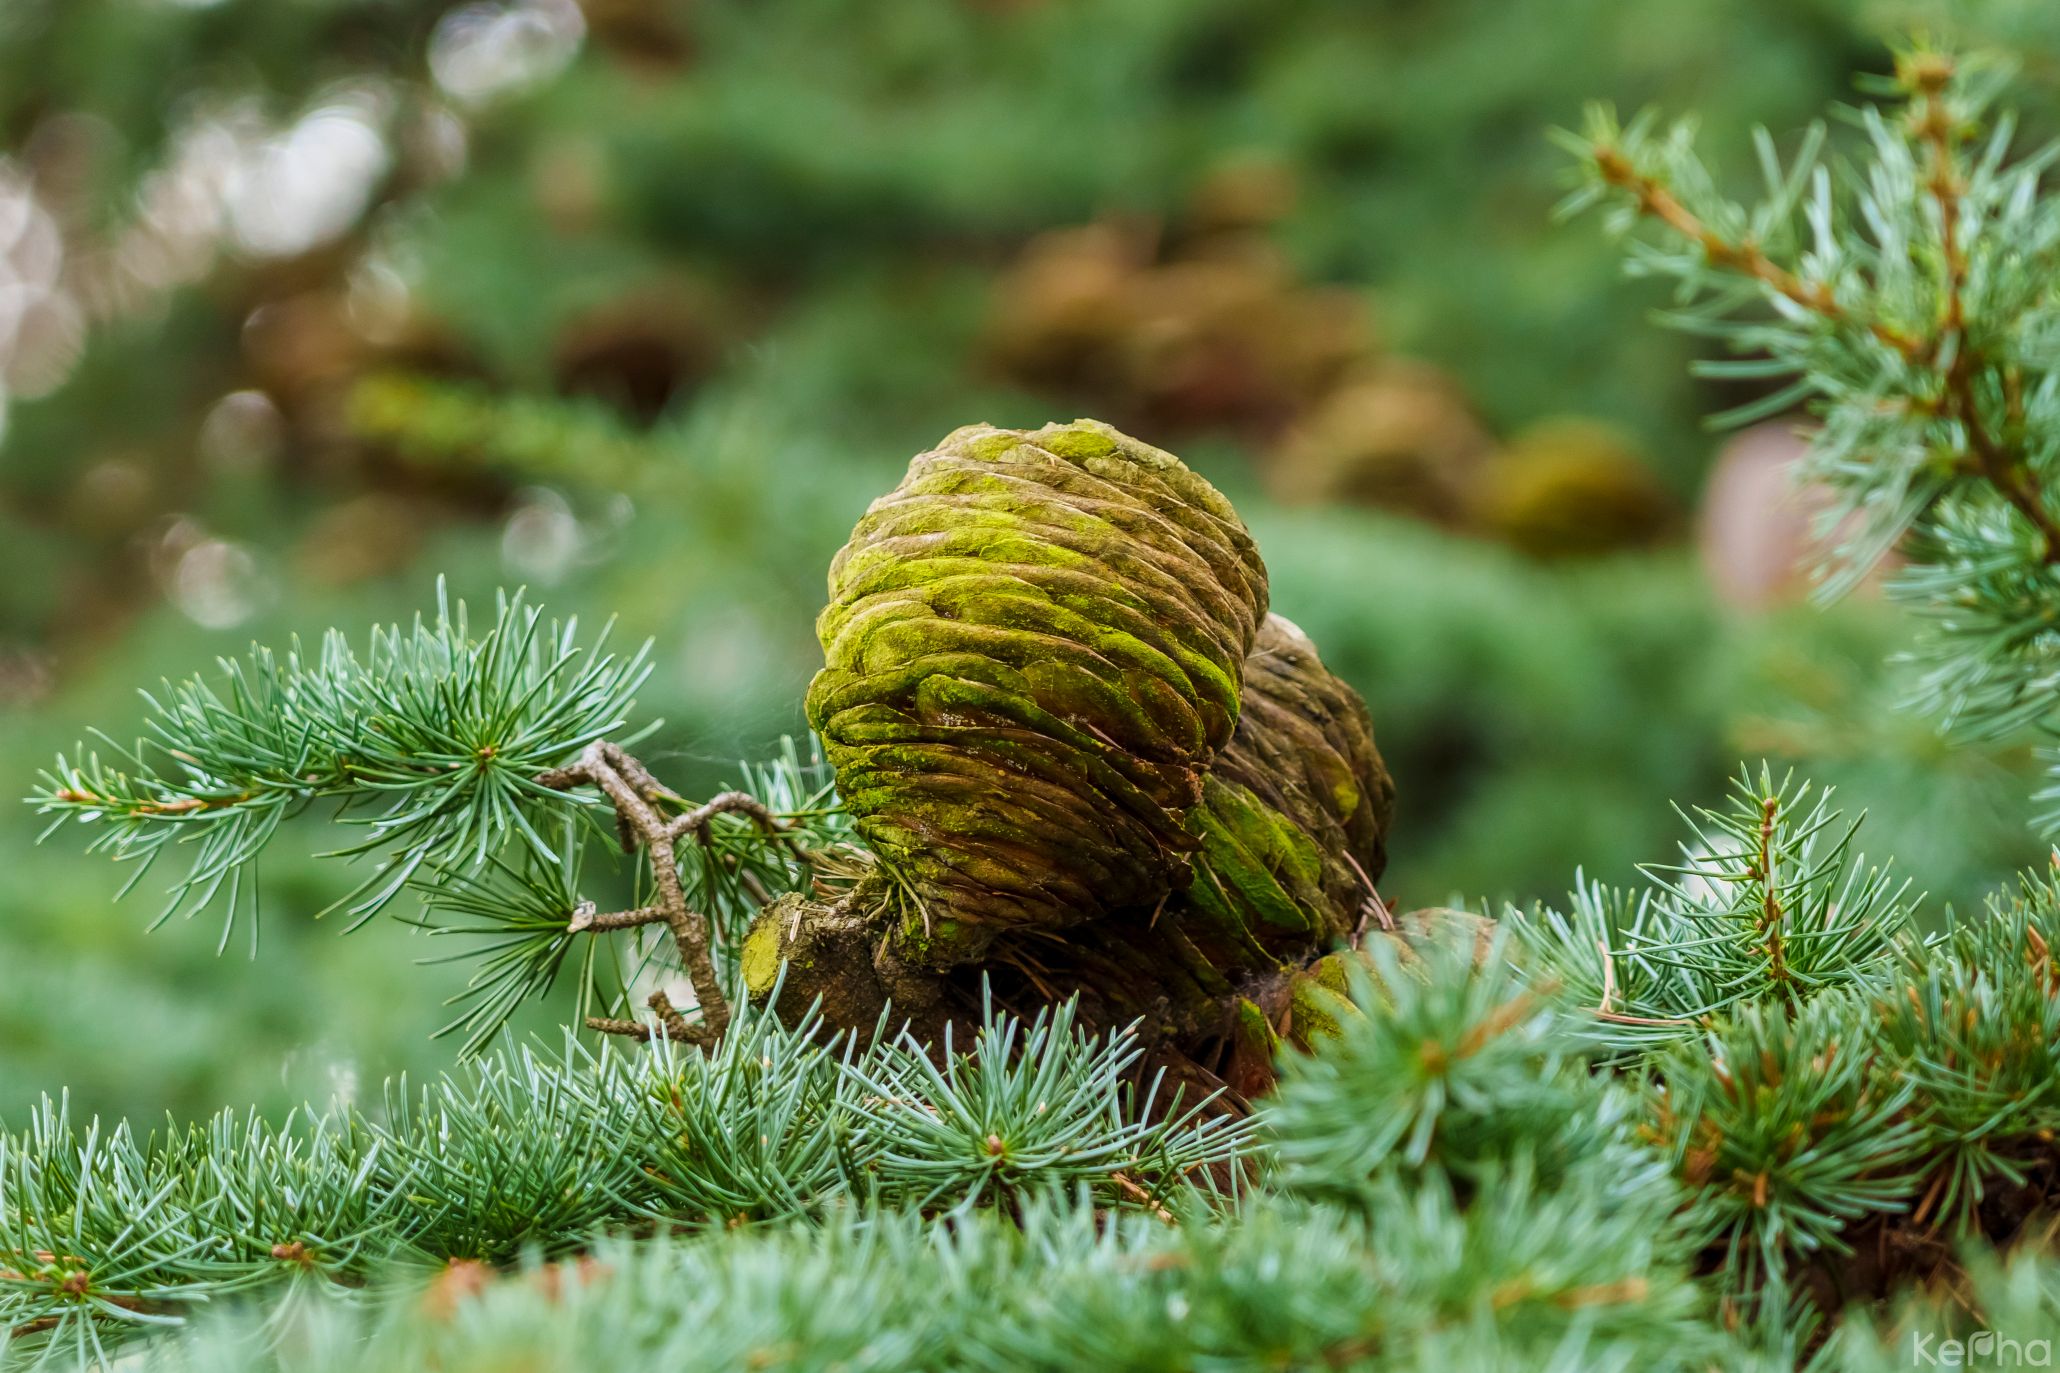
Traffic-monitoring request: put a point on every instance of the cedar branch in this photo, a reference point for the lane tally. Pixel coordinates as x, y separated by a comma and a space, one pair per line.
2001, 467
1655, 201
637, 796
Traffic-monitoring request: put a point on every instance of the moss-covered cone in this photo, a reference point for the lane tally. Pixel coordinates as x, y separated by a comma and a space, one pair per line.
1293, 828
1034, 649
1087, 761
1295, 812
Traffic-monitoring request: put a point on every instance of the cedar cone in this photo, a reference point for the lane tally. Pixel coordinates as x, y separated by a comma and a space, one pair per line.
1086, 759
1033, 648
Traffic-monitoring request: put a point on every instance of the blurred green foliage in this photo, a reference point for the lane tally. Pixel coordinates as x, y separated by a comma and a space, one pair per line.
648, 333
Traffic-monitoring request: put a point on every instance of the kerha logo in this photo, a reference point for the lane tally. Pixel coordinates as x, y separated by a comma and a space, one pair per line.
1982, 1349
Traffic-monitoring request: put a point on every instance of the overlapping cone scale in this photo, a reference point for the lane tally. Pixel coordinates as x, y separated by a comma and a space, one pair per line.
1034, 649
1295, 811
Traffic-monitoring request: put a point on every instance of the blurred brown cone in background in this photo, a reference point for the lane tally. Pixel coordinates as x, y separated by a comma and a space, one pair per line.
1572, 487
1204, 325
1400, 437
1216, 333
1228, 338
1244, 193
654, 40
1059, 310
639, 353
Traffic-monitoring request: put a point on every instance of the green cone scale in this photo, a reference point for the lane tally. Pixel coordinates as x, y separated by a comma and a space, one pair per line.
1296, 810
1034, 651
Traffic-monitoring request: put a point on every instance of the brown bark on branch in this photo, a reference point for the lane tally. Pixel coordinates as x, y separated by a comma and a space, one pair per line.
635, 795
1748, 259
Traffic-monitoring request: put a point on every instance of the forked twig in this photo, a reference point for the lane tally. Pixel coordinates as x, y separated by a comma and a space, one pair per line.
637, 797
